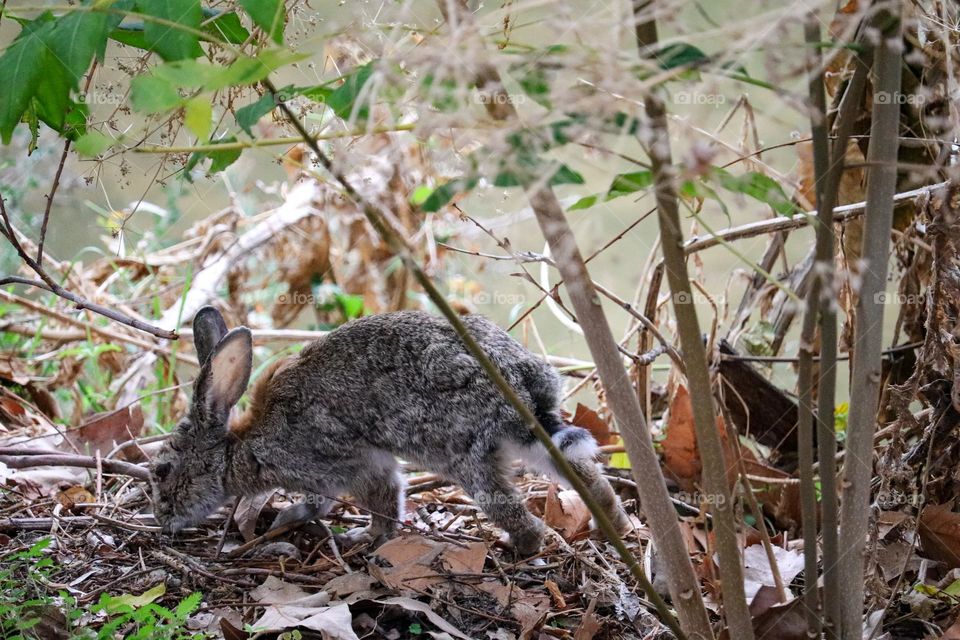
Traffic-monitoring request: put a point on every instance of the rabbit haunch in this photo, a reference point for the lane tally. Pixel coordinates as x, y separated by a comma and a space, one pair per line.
333, 419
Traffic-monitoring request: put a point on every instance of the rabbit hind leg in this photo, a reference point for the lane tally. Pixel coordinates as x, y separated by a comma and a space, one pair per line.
493, 492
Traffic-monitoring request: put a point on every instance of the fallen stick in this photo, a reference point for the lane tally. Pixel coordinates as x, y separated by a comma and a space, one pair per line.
67, 460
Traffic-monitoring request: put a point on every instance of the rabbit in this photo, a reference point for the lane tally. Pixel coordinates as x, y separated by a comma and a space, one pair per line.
333, 419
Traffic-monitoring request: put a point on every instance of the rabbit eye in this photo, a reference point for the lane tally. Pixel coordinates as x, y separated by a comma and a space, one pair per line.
162, 470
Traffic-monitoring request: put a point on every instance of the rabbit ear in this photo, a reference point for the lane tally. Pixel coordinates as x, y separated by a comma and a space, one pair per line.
225, 375
208, 329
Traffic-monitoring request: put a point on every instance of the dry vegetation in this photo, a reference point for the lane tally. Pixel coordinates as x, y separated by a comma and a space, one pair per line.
365, 160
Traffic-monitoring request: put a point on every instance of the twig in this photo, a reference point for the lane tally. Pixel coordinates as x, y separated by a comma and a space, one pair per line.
68, 460
828, 181
714, 467
868, 340
79, 301
92, 328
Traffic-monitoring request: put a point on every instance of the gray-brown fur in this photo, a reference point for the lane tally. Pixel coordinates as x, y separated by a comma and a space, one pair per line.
332, 420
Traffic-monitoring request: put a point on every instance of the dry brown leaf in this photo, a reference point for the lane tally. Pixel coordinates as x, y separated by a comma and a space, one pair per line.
565, 512
590, 420
419, 563
558, 600
71, 496
679, 445
681, 458
589, 624
247, 514
469, 559
781, 501
104, 431
773, 620
940, 534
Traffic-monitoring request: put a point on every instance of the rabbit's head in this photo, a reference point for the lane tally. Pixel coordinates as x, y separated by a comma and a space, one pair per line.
189, 472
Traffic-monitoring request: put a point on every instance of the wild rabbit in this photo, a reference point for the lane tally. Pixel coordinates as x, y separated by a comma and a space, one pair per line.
330, 420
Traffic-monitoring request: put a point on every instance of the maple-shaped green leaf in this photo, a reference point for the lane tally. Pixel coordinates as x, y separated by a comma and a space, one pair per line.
167, 40
269, 15
21, 66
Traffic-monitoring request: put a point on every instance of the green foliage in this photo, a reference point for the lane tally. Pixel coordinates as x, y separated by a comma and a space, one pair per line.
268, 15
139, 617
342, 100
171, 43
752, 184
25, 601
43, 65
219, 160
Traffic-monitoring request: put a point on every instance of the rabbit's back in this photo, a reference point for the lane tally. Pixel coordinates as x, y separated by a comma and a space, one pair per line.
405, 382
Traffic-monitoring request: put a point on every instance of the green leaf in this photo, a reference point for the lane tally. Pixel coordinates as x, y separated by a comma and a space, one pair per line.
419, 195
227, 26
198, 116
118, 603
219, 160
446, 192
250, 115
168, 41
583, 203
566, 175
534, 82
152, 94
523, 176
76, 38
350, 305
130, 34
627, 183
188, 605
269, 15
242, 71
759, 187
342, 99
21, 66
680, 54
92, 144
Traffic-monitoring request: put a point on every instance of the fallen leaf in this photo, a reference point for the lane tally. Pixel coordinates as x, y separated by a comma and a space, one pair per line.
589, 624
291, 607
781, 621
940, 534
566, 512
103, 432
419, 563
71, 496
115, 603
679, 444
757, 572
590, 420
469, 559
421, 607
348, 584
247, 513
